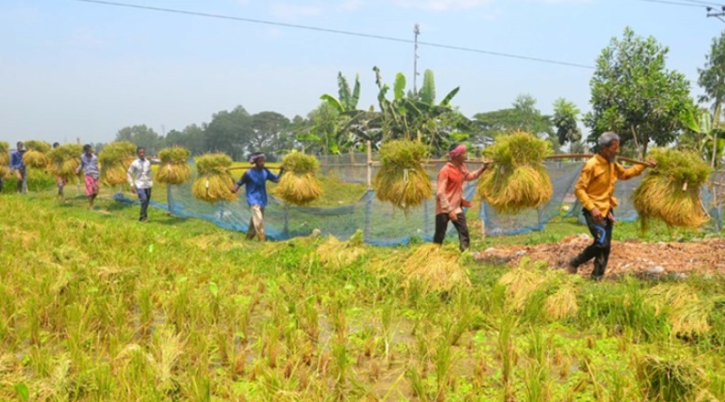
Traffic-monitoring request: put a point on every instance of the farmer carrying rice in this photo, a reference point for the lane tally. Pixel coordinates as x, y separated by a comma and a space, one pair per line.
60, 181
18, 166
595, 190
140, 180
89, 163
256, 181
449, 195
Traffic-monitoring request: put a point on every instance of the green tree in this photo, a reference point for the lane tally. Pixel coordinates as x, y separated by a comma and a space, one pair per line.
635, 95
191, 138
270, 134
229, 132
523, 115
141, 136
712, 80
319, 135
565, 119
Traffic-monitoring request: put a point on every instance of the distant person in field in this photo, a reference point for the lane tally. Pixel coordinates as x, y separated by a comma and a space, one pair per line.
59, 180
89, 164
140, 180
18, 166
449, 196
255, 180
595, 190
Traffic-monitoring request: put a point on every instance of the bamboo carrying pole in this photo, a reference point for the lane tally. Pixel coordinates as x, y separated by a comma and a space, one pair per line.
585, 156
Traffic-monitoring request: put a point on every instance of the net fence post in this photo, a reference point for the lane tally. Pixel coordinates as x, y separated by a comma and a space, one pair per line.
370, 164
168, 198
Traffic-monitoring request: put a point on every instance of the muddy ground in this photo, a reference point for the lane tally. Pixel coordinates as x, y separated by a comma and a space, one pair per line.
627, 257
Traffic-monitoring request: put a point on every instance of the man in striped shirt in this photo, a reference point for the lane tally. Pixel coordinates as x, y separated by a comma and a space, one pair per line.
89, 163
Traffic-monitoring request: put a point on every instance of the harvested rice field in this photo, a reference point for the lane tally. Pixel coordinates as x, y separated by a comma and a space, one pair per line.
96, 306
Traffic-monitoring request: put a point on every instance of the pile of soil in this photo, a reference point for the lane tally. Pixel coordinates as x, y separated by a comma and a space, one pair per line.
627, 257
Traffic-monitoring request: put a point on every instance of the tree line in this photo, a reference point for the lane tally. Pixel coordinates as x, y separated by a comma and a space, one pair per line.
632, 92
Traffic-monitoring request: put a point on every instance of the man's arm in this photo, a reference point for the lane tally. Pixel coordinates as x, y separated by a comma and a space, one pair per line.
129, 175
626, 174
470, 176
272, 177
442, 197
15, 161
242, 181
580, 189
80, 166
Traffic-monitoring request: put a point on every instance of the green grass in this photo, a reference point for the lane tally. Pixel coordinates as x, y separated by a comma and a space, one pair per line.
96, 306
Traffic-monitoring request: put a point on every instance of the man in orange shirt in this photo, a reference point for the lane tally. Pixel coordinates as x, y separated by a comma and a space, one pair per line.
595, 190
449, 196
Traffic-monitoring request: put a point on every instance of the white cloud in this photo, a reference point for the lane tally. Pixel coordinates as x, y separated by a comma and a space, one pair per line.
443, 5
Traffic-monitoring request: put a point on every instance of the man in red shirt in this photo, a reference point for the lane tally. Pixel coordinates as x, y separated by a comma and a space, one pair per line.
449, 196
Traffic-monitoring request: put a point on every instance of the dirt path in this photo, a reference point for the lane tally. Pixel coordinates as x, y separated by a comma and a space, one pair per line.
627, 257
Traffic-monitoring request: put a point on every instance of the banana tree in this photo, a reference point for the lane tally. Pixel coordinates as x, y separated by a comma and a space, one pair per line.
708, 141
413, 116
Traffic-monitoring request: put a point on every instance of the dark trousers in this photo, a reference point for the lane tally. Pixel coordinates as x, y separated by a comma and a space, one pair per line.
22, 182
144, 195
460, 225
599, 249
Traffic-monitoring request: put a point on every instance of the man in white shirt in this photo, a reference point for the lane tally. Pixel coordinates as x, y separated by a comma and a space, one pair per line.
140, 180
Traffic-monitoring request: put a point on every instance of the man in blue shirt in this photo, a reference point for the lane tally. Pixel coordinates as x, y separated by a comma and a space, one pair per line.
256, 181
18, 166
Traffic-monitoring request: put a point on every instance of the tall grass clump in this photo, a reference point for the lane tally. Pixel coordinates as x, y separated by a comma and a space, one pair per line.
64, 160
115, 158
401, 179
214, 183
174, 168
668, 380
4, 160
521, 282
35, 154
671, 191
518, 178
562, 304
686, 312
298, 185
336, 254
436, 268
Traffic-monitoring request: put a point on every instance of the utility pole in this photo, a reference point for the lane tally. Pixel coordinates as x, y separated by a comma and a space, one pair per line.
416, 31
718, 13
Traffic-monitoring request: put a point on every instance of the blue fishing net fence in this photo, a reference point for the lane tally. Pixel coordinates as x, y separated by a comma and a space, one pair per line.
383, 225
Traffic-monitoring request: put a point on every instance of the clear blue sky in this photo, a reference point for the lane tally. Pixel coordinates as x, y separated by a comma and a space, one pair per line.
70, 69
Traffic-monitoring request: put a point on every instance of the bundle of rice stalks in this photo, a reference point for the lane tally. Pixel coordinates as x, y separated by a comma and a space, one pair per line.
174, 168
214, 183
687, 314
35, 154
671, 191
437, 268
298, 185
562, 304
64, 160
4, 160
518, 178
401, 178
336, 254
115, 158
521, 281
669, 380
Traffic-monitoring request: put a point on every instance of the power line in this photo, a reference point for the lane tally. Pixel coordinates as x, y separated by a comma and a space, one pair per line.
338, 32
706, 3
672, 3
